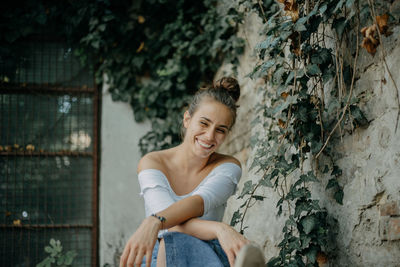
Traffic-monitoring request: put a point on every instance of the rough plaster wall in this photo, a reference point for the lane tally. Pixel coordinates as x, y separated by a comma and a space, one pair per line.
370, 160
121, 207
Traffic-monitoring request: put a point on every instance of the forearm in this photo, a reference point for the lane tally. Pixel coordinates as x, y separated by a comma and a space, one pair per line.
181, 211
202, 229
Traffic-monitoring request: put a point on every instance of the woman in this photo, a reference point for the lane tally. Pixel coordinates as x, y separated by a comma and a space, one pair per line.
185, 189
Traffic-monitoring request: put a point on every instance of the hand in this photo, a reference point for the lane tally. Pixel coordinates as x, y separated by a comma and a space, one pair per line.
231, 242
141, 243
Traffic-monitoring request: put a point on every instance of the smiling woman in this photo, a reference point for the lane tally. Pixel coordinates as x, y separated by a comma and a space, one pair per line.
185, 189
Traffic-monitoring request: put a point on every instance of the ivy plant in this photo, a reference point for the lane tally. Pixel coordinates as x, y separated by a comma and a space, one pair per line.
308, 59
56, 255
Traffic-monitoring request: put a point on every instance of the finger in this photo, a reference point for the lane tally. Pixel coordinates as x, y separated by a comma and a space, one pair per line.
148, 258
131, 258
236, 249
231, 258
139, 258
124, 257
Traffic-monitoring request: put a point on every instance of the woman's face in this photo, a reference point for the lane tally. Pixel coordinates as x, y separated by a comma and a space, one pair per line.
207, 128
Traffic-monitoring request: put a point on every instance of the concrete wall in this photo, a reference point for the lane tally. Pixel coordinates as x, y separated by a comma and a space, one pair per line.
369, 223
121, 207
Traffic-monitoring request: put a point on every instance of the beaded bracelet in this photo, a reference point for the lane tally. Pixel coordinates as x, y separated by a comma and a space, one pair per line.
161, 218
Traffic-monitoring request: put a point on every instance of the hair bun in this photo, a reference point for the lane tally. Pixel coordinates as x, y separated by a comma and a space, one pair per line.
231, 85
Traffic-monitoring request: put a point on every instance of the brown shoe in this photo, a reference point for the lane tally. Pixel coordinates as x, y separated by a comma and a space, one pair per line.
250, 256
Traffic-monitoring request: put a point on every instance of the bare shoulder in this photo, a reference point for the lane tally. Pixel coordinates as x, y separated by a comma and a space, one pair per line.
152, 160
222, 158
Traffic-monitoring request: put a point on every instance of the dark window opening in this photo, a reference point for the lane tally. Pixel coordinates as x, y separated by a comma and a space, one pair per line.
48, 155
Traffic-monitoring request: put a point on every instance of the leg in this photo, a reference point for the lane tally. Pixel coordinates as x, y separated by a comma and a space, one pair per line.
161, 259
182, 250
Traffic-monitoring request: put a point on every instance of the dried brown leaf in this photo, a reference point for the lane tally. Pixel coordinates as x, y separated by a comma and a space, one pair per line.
281, 124
383, 24
370, 41
291, 9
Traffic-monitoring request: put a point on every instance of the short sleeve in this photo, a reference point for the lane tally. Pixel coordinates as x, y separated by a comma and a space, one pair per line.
219, 185
155, 190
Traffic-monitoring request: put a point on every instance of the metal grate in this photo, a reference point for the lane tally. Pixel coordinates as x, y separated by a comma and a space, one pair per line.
48, 155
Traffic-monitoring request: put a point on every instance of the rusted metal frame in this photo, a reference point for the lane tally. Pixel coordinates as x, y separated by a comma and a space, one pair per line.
96, 158
15, 185
44, 226
11, 88
69, 212
2, 100
29, 193
42, 71
31, 169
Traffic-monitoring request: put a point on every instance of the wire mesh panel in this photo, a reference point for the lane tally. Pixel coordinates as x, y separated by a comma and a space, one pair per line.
48, 155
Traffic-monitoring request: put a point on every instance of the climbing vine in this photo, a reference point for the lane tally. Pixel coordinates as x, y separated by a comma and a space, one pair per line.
308, 59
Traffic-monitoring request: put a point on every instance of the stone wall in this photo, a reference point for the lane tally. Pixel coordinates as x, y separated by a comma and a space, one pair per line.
369, 222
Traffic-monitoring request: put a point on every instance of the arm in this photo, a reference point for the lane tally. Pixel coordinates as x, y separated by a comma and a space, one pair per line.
143, 240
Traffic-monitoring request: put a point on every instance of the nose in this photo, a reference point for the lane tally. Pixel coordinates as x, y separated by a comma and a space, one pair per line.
210, 133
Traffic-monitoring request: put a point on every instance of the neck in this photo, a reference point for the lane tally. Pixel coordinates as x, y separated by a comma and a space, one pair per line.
188, 161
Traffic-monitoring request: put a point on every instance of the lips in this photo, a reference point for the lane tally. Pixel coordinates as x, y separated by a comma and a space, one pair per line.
204, 145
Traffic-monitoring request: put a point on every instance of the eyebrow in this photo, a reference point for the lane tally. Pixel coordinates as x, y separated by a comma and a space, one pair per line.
207, 119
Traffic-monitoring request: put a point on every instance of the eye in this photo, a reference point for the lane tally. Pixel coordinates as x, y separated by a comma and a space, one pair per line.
221, 130
203, 123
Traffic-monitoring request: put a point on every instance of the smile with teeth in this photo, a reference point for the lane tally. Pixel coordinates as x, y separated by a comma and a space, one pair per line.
207, 146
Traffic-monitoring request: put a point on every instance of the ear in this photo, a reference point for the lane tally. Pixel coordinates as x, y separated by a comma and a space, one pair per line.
186, 119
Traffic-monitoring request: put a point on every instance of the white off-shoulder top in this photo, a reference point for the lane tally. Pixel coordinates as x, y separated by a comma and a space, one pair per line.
215, 189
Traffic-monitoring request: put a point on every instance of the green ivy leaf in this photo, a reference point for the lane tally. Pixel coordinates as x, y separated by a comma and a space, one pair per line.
358, 116
308, 223
339, 6
70, 256
285, 104
339, 196
299, 27
313, 69
266, 181
236, 218
48, 249
247, 188
316, 147
323, 8
332, 183
60, 260
257, 197
267, 65
349, 3
339, 25
311, 254
310, 177
326, 169
274, 262
336, 171
305, 241
279, 211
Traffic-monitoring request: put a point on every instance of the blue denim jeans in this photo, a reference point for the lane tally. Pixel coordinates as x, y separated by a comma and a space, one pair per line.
182, 250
